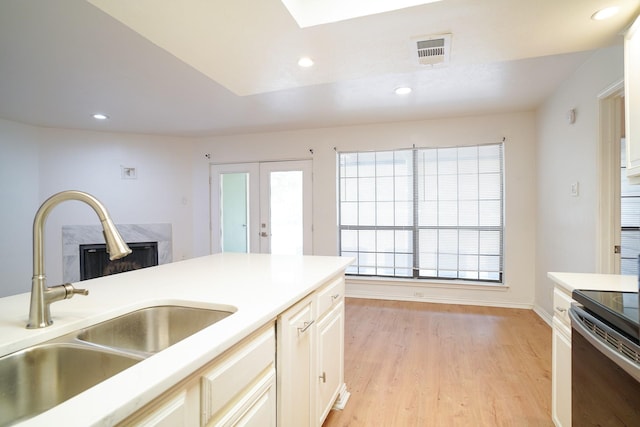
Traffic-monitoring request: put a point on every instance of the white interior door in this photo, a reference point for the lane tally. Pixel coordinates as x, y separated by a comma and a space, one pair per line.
262, 207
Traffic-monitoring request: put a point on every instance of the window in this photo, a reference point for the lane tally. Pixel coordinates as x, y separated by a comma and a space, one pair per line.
423, 213
629, 219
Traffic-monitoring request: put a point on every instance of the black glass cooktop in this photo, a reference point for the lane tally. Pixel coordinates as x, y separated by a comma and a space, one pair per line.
619, 309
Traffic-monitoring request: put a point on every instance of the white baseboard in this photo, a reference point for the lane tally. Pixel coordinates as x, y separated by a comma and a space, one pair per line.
400, 292
343, 396
543, 315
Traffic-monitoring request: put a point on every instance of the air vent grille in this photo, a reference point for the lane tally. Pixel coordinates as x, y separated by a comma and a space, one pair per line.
428, 48
432, 50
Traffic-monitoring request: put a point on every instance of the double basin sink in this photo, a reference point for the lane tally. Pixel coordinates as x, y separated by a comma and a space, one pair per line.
40, 377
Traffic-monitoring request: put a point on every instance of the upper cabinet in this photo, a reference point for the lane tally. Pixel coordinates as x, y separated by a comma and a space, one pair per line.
632, 99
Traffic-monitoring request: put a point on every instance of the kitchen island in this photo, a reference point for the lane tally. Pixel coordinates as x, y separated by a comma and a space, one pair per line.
256, 288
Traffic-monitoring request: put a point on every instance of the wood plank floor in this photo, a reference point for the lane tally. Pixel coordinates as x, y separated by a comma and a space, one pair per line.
423, 364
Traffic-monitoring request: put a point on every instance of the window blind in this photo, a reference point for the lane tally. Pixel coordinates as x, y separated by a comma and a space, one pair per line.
423, 213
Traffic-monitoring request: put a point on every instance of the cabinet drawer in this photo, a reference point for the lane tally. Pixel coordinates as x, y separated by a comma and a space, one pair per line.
561, 304
237, 372
330, 296
256, 408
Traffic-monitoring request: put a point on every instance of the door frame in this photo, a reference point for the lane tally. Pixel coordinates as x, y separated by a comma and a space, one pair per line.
611, 116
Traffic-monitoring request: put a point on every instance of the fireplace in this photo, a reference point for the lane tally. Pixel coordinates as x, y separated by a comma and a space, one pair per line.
74, 236
94, 259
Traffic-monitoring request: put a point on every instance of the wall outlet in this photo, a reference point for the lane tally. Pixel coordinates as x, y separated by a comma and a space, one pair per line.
418, 294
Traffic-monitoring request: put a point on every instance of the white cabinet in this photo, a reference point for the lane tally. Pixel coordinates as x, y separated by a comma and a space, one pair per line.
257, 382
296, 336
311, 357
236, 389
330, 360
239, 389
632, 99
561, 359
178, 409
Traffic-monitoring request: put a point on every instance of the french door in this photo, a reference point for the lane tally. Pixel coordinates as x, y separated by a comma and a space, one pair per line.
262, 207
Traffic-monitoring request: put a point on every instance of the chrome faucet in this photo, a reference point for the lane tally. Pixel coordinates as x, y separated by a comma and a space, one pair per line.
41, 295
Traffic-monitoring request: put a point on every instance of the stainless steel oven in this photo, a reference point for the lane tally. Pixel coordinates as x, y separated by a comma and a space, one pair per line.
605, 371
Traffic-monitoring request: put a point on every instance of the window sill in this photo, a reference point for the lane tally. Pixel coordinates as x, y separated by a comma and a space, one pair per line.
428, 283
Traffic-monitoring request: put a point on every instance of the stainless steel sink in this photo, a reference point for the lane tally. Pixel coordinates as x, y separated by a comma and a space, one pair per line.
152, 329
41, 377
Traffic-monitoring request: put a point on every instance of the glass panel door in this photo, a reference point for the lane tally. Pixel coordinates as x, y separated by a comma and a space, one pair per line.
285, 207
235, 214
234, 201
262, 207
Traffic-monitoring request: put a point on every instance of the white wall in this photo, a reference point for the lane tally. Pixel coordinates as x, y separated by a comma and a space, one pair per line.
517, 128
544, 155
91, 162
568, 153
18, 202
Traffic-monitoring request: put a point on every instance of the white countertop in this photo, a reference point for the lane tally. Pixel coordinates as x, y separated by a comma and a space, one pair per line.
598, 282
258, 286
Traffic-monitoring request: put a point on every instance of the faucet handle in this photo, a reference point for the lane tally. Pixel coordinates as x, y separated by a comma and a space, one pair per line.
70, 291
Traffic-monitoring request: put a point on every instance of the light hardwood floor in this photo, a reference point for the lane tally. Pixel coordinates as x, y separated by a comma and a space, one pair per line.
423, 364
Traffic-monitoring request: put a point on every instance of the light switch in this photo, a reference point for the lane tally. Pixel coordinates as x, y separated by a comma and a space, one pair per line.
575, 189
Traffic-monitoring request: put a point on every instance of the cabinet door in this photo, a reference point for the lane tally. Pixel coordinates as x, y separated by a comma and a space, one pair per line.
561, 376
239, 382
256, 409
330, 360
295, 337
262, 412
178, 409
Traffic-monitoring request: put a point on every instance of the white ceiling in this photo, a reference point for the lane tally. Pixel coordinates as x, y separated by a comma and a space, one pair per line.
194, 67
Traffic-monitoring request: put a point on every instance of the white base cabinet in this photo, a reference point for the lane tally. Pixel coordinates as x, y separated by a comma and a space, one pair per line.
257, 382
561, 360
310, 364
330, 361
296, 335
238, 388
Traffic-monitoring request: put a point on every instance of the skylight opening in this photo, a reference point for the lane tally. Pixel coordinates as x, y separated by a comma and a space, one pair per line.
605, 13
310, 13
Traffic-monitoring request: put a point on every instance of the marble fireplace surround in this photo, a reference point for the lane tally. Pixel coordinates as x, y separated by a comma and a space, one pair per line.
75, 235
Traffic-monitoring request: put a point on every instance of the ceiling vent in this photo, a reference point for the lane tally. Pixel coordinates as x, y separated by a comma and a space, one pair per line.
431, 50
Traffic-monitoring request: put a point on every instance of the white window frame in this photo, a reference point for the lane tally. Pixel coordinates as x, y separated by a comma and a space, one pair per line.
413, 224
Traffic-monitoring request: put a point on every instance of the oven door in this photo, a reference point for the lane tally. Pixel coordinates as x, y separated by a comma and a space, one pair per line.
605, 374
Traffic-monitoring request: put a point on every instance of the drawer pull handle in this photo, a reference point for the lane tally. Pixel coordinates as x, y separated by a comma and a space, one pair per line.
305, 326
323, 377
561, 310
335, 297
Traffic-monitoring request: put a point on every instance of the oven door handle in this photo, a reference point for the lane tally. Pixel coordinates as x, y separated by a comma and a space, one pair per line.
627, 365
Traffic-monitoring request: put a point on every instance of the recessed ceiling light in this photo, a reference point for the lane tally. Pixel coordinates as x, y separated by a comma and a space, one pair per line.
100, 116
403, 90
305, 62
605, 13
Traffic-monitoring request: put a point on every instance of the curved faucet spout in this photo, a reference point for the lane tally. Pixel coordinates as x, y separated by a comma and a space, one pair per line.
41, 295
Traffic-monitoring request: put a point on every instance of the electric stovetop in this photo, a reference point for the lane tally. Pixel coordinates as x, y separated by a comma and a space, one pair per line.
618, 309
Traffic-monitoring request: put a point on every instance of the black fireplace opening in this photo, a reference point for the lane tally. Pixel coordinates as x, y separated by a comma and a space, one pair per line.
94, 259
